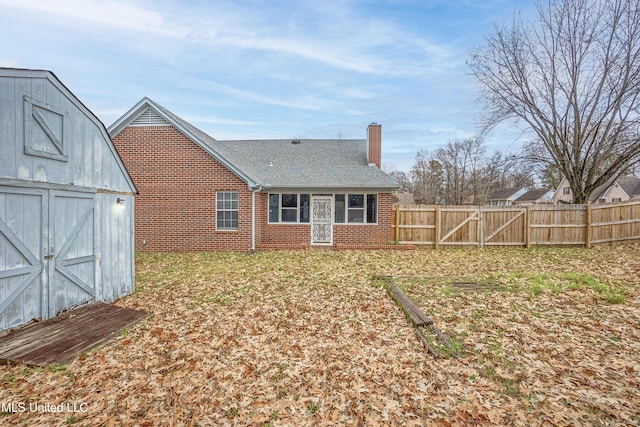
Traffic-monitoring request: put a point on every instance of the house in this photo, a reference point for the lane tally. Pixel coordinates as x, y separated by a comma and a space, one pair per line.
504, 196
535, 196
66, 202
616, 190
197, 193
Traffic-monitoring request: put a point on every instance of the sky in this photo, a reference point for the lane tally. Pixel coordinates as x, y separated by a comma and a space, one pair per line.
271, 69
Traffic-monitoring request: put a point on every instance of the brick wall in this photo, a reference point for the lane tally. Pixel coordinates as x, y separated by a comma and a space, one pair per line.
366, 233
175, 209
281, 236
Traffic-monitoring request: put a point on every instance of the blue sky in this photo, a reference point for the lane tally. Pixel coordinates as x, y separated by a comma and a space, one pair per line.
271, 69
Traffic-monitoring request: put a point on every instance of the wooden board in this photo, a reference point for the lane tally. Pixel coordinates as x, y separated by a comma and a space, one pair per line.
62, 338
417, 317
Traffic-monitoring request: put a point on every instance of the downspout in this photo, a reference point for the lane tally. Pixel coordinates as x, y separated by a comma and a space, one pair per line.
256, 189
253, 220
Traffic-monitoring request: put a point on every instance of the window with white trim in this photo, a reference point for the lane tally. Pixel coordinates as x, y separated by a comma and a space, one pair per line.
356, 208
227, 210
288, 208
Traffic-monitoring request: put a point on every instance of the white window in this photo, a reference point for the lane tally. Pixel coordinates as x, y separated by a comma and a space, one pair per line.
356, 208
227, 210
288, 207
566, 191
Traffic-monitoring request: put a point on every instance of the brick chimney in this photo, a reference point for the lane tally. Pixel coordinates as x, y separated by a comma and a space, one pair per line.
374, 144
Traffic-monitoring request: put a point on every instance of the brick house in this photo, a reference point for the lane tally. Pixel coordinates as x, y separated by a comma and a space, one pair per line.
196, 193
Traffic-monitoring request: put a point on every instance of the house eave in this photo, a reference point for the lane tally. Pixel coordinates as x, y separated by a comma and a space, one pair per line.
326, 189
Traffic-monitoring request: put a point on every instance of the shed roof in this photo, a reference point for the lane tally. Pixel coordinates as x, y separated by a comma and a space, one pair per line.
403, 199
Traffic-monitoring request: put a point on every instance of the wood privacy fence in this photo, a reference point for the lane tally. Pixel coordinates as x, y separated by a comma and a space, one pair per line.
555, 225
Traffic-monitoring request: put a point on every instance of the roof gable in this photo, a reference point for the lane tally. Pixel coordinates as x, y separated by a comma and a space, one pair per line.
150, 117
630, 184
147, 111
282, 163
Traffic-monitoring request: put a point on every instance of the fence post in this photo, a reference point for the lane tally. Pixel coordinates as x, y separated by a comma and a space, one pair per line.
437, 230
589, 229
480, 228
397, 231
527, 228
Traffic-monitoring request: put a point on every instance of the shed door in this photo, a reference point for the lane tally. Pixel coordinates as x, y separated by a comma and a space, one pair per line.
321, 220
47, 253
23, 234
71, 250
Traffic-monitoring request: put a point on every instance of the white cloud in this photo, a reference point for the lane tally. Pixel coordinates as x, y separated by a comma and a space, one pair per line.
338, 37
111, 13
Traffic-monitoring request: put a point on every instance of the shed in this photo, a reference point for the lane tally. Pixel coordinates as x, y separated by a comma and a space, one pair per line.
66, 202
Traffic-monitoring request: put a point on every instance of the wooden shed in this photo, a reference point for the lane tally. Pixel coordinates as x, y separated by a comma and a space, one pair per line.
66, 202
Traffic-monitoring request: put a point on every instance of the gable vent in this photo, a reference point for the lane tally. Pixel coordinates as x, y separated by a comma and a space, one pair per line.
150, 117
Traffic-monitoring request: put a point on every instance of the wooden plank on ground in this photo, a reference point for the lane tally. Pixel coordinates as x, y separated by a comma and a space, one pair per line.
417, 317
62, 338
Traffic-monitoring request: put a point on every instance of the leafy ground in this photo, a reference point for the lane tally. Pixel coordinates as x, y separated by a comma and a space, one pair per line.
547, 336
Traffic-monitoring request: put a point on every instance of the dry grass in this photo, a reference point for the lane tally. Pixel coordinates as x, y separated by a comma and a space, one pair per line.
549, 337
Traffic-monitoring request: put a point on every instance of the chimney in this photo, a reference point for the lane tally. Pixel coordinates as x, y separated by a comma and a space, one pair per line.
374, 144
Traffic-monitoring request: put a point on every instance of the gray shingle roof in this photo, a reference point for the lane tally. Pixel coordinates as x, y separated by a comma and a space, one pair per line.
533, 195
630, 184
321, 163
503, 193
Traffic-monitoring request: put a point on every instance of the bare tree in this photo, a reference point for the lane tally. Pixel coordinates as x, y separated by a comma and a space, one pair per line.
462, 172
427, 177
573, 76
462, 161
403, 180
454, 161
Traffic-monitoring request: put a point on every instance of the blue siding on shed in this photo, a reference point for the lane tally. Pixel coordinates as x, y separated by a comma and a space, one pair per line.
92, 159
64, 240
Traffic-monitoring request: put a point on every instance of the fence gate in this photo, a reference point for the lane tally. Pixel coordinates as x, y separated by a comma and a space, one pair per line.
458, 226
47, 243
461, 225
503, 226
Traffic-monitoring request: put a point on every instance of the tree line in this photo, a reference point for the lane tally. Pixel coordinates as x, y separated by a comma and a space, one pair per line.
465, 172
